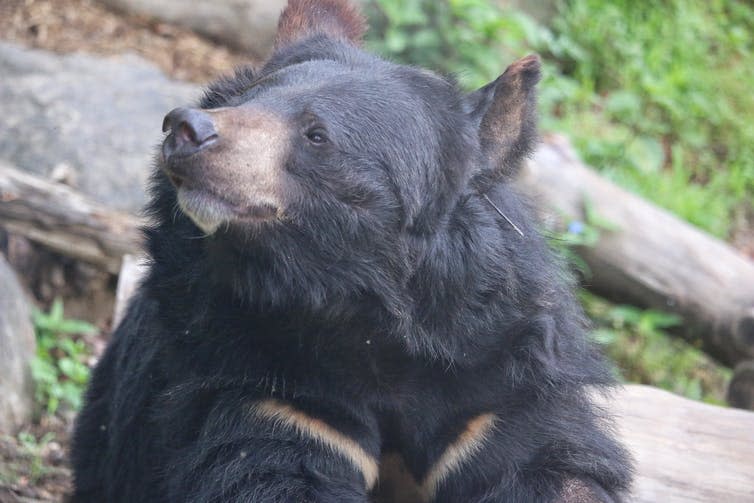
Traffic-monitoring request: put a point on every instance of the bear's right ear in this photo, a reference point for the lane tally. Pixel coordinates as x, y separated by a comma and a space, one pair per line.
333, 18
505, 112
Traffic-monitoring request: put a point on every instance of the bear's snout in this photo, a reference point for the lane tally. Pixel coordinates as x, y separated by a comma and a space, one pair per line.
227, 164
191, 130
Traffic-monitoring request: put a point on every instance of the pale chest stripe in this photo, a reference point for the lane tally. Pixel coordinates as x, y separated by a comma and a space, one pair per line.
468, 443
306, 426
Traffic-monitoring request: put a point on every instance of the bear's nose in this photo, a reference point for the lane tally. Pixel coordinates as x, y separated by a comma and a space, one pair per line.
191, 130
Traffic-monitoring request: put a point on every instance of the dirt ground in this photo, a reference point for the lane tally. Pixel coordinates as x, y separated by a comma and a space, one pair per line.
34, 465
85, 25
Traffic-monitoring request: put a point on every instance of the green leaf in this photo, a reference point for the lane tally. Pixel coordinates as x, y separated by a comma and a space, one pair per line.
43, 371
56, 310
75, 327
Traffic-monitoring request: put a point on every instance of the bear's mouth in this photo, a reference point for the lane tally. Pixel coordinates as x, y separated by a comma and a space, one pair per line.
210, 209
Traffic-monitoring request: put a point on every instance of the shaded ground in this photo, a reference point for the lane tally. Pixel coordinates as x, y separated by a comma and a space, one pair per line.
85, 25
34, 466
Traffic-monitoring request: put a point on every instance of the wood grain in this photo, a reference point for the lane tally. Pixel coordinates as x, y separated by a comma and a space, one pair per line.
686, 451
62, 219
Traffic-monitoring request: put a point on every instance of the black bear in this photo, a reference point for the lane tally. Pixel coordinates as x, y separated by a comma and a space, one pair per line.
341, 273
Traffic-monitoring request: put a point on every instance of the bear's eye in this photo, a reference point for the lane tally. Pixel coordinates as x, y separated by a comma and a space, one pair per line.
317, 136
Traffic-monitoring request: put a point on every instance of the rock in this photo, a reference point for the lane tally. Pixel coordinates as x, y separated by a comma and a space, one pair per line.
17, 347
90, 121
245, 24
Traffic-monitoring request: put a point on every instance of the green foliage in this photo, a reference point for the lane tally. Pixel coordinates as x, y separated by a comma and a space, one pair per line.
637, 341
665, 105
654, 94
461, 37
27, 461
32, 448
59, 369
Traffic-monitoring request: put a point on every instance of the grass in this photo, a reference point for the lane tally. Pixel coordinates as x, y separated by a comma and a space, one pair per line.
655, 95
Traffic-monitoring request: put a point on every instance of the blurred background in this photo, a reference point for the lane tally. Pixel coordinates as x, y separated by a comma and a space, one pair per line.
645, 179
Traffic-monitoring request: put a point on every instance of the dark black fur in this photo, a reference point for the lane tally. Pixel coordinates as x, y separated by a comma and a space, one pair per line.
395, 305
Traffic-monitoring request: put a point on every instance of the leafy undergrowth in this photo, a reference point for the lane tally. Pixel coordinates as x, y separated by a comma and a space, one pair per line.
34, 464
656, 95
643, 352
60, 370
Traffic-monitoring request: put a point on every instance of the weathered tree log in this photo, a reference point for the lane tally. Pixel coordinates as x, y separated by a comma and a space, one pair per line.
685, 451
653, 259
62, 219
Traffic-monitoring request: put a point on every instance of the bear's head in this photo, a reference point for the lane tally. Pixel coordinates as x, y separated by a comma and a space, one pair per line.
330, 177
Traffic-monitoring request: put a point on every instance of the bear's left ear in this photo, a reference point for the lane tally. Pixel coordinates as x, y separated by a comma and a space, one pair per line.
505, 112
333, 18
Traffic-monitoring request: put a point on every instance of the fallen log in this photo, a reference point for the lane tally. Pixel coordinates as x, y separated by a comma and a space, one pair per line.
685, 451
652, 259
65, 221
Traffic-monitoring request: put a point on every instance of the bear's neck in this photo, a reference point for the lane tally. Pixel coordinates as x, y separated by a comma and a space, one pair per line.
462, 295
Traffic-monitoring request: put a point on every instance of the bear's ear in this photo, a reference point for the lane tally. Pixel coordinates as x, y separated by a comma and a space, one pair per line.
333, 18
505, 112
